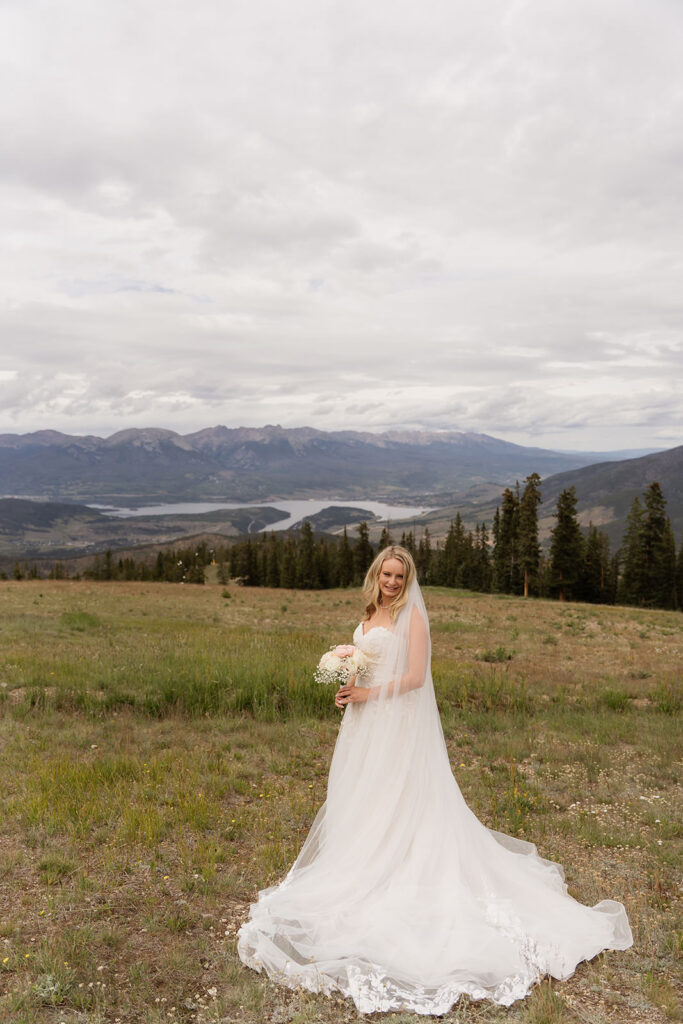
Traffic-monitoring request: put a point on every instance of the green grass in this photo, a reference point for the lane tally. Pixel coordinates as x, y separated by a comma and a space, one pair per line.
163, 752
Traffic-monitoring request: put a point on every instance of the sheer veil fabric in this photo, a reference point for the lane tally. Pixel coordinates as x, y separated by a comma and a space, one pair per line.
400, 898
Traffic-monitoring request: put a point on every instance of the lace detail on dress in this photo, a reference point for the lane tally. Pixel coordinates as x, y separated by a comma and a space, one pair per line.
374, 992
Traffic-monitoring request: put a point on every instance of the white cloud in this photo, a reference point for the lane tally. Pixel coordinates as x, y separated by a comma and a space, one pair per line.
362, 216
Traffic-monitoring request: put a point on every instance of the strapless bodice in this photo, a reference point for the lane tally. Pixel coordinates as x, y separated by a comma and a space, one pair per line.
374, 644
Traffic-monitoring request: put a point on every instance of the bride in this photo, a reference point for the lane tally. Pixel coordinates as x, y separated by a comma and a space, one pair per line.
400, 898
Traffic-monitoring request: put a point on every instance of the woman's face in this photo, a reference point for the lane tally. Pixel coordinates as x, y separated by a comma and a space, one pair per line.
391, 579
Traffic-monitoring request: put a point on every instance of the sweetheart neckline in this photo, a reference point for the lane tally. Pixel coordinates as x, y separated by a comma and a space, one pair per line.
385, 628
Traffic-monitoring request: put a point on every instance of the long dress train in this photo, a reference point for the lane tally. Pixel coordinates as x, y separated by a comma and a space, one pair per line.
400, 898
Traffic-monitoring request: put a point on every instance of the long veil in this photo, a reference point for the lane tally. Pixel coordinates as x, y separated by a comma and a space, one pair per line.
400, 897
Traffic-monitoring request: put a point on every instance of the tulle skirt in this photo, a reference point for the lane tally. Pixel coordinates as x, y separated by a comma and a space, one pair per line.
402, 900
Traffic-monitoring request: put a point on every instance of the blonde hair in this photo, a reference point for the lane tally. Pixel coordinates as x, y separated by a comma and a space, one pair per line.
371, 592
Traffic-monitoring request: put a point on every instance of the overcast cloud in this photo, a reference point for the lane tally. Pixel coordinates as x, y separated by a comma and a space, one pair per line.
450, 215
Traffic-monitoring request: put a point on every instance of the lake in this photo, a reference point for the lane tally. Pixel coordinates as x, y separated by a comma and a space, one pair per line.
295, 509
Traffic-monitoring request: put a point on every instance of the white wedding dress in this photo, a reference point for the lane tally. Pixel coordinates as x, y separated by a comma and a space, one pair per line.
400, 897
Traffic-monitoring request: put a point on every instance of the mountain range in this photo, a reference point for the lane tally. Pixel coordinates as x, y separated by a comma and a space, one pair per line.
144, 466
255, 464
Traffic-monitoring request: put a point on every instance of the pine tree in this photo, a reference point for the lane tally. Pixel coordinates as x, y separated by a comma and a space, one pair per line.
324, 567
566, 548
667, 595
363, 553
385, 539
456, 557
679, 577
613, 573
408, 542
288, 565
659, 571
484, 560
593, 586
423, 560
108, 570
305, 549
608, 581
345, 561
632, 585
495, 531
529, 547
506, 554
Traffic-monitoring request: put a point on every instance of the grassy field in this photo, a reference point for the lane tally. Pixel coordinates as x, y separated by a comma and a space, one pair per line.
163, 751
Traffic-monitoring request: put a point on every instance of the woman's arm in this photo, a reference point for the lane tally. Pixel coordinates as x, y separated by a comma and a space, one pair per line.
418, 655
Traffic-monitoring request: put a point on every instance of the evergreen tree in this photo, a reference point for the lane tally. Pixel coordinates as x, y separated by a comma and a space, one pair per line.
449, 564
288, 565
613, 572
544, 577
385, 539
108, 569
632, 586
667, 595
659, 567
595, 567
363, 553
566, 548
271, 573
506, 554
423, 560
484, 560
324, 566
679, 577
529, 547
345, 562
449, 570
608, 582
408, 542
495, 530
305, 576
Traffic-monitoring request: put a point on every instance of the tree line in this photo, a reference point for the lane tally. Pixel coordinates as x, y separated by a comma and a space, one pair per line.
508, 559
579, 566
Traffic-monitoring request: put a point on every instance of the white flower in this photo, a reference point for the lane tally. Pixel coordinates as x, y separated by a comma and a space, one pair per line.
340, 663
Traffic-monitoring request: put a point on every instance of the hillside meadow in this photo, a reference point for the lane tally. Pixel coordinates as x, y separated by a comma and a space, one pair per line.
163, 750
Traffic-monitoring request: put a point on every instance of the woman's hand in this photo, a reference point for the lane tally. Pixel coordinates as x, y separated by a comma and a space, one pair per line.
351, 694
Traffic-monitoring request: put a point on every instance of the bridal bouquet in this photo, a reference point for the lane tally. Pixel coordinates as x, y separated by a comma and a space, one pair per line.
340, 663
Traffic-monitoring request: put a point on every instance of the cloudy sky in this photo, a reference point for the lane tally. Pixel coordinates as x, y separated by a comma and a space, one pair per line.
448, 215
